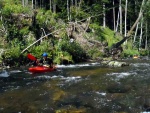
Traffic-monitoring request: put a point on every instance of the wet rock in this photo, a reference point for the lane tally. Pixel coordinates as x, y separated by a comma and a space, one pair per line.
58, 95
120, 64
115, 63
111, 63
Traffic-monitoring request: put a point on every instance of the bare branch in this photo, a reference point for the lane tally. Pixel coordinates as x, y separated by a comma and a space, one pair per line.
41, 39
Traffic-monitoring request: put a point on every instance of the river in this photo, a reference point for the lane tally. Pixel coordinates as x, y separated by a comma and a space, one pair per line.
80, 88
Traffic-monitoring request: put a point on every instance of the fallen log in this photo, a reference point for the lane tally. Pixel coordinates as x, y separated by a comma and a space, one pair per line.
118, 44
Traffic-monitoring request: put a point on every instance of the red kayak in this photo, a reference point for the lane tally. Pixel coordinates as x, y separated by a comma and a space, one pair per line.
41, 69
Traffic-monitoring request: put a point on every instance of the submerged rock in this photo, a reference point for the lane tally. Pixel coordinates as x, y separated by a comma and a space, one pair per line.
71, 110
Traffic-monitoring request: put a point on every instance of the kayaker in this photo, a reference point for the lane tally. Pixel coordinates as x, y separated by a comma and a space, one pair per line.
45, 61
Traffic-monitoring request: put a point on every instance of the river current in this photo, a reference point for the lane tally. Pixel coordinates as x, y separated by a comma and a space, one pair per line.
79, 88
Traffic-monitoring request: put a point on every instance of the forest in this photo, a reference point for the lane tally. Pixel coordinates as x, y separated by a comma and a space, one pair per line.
73, 31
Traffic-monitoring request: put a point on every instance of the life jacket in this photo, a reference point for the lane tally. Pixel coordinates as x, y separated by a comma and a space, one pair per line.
45, 61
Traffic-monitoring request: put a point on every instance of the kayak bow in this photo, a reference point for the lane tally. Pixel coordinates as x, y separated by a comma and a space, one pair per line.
41, 69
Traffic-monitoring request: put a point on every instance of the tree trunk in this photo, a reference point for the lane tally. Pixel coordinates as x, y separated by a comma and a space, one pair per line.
68, 11
23, 3
80, 1
137, 26
117, 21
50, 5
125, 26
120, 9
26, 3
136, 22
135, 35
138, 19
35, 4
132, 28
104, 16
71, 2
146, 35
54, 6
141, 34
76, 6
125, 31
71, 5
114, 16
32, 4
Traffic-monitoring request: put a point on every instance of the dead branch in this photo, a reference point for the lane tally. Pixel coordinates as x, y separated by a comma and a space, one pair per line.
41, 39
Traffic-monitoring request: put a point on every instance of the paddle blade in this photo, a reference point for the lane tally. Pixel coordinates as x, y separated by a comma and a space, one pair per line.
31, 57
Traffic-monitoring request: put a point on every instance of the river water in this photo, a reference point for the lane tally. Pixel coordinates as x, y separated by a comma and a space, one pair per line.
80, 88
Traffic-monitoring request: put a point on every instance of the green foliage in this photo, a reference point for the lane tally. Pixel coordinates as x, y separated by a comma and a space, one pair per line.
104, 34
30, 39
16, 27
15, 32
105, 1
94, 53
13, 52
44, 46
73, 48
46, 18
1, 4
128, 51
97, 31
9, 8
61, 56
110, 36
57, 54
24, 30
78, 14
97, 10
19, 27
144, 52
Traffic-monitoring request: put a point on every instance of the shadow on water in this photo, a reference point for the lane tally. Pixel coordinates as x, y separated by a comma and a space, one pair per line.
80, 88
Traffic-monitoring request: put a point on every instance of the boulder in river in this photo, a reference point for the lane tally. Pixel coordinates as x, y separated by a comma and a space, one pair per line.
115, 63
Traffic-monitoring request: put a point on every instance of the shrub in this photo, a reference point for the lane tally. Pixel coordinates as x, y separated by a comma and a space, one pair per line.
74, 49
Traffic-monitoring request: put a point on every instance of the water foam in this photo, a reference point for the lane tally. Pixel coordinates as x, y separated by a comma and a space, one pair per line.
122, 74
69, 79
141, 64
66, 79
101, 93
4, 73
77, 65
15, 71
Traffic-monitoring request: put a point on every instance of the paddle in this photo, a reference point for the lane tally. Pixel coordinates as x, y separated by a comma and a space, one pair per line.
31, 57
